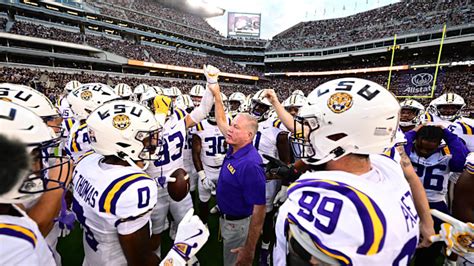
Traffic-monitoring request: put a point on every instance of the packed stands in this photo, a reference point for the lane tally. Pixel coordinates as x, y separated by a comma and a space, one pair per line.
130, 49
401, 18
154, 14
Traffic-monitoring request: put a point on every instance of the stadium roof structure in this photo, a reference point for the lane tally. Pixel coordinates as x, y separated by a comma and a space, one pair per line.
196, 7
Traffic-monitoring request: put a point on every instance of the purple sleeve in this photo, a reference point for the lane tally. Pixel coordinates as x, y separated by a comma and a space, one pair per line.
457, 149
254, 184
410, 136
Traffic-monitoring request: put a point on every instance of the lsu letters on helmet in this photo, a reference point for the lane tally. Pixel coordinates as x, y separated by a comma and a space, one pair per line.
71, 85
343, 116
235, 103
447, 106
34, 101
138, 91
20, 123
124, 129
185, 102
88, 97
416, 107
123, 91
196, 93
260, 106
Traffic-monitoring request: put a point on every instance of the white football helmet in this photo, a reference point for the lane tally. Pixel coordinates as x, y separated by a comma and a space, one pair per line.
196, 93
123, 91
185, 102
34, 101
172, 92
343, 116
138, 91
88, 97
147, 97
71, 85
298, 92
235, 103
295, 100
20, 123
159, 90
260, 106
445, 101
211, 116
417, 107
125, 129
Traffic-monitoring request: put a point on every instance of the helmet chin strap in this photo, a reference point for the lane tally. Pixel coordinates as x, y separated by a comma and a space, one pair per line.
133, 164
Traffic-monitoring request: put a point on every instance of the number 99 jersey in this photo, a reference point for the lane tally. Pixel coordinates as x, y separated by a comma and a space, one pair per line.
356, 220
109, 200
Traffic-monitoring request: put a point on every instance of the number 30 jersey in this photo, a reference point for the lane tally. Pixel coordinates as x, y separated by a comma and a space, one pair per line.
109, 200
357, 220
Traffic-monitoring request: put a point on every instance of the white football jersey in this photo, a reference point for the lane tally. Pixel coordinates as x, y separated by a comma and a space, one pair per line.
265, 140
213, 144
78, 141
431, 119
22, 242
434, 173
66, 126
470, 163
64, 107
464, 129
350, 218
109, 200
171, 152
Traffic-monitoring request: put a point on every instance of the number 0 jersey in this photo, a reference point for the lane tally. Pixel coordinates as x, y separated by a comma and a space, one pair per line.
356, 220
110, 200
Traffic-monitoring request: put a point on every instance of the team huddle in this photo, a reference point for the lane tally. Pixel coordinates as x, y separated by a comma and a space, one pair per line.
351, 173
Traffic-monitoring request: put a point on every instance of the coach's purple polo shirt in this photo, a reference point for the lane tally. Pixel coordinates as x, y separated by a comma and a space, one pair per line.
241, 183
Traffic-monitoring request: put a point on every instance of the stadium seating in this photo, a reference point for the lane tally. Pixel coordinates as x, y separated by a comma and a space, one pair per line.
402, 18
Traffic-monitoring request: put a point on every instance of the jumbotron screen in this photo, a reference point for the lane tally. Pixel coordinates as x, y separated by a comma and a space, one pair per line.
243, 24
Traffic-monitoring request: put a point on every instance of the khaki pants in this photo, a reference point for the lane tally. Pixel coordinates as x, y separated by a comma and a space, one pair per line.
234, 235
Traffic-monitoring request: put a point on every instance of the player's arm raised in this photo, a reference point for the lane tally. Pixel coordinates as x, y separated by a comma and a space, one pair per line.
221, 119
200, 113
285, 117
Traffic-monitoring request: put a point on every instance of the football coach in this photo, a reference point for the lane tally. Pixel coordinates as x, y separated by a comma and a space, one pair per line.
240, 188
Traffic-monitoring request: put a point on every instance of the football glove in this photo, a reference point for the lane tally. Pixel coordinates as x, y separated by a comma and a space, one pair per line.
211, 73
206, 183
281, 196
287, 173
458, 236
191, 236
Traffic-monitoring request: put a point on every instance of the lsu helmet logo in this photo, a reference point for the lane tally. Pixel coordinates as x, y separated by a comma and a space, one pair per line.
121, 122
340, 102
86, 95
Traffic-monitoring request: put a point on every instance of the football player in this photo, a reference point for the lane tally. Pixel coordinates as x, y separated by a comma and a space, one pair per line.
114, 197
196, 93
433, 164
23, 181
83, 101
236, 103
171, 154
138, 91
444, 109
293, 103
123, 91
347, 123
271, 139
62, 103
208, 151
410, 115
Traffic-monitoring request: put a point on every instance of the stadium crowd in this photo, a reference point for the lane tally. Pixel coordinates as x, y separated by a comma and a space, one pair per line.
154, 14
130, 49
401, 18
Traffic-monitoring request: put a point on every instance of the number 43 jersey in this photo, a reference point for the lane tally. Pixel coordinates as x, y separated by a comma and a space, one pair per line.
109, 200
356, 220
